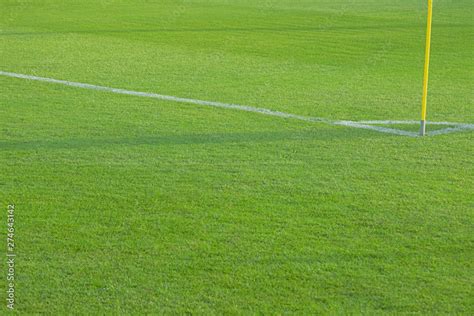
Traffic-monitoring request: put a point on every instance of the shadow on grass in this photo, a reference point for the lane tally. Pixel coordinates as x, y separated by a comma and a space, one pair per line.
189, 139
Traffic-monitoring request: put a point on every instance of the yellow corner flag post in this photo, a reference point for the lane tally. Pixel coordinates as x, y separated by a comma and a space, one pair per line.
427, 67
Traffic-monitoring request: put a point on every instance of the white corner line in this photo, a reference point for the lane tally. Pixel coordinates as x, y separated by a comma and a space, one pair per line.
462, 125
363, 124
166, 97
451, 127
377, 128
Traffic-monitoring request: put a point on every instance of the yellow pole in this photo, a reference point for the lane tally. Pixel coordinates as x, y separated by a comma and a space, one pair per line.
427, 67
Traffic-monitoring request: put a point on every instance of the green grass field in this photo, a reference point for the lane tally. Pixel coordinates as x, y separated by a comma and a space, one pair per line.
128, 205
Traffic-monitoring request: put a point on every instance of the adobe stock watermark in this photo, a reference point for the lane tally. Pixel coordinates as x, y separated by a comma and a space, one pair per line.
11, 256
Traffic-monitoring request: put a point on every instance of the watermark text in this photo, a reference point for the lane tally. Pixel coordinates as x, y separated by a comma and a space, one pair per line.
11, 256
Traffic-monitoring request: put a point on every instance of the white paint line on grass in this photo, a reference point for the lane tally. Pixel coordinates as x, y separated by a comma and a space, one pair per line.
370, 125
165, 97
464, 125
376, 128
452, 127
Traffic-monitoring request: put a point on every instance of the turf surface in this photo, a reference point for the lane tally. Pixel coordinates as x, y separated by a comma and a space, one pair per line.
131, 205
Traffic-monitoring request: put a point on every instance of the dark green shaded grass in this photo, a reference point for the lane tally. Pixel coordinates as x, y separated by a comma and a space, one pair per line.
134, 206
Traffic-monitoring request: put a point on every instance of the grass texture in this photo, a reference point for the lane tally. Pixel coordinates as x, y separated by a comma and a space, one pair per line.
127, 205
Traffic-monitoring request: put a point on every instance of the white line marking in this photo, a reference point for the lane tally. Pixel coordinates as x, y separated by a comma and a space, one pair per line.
466, 125
362, 124
453, 127
165, 97
376, 128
